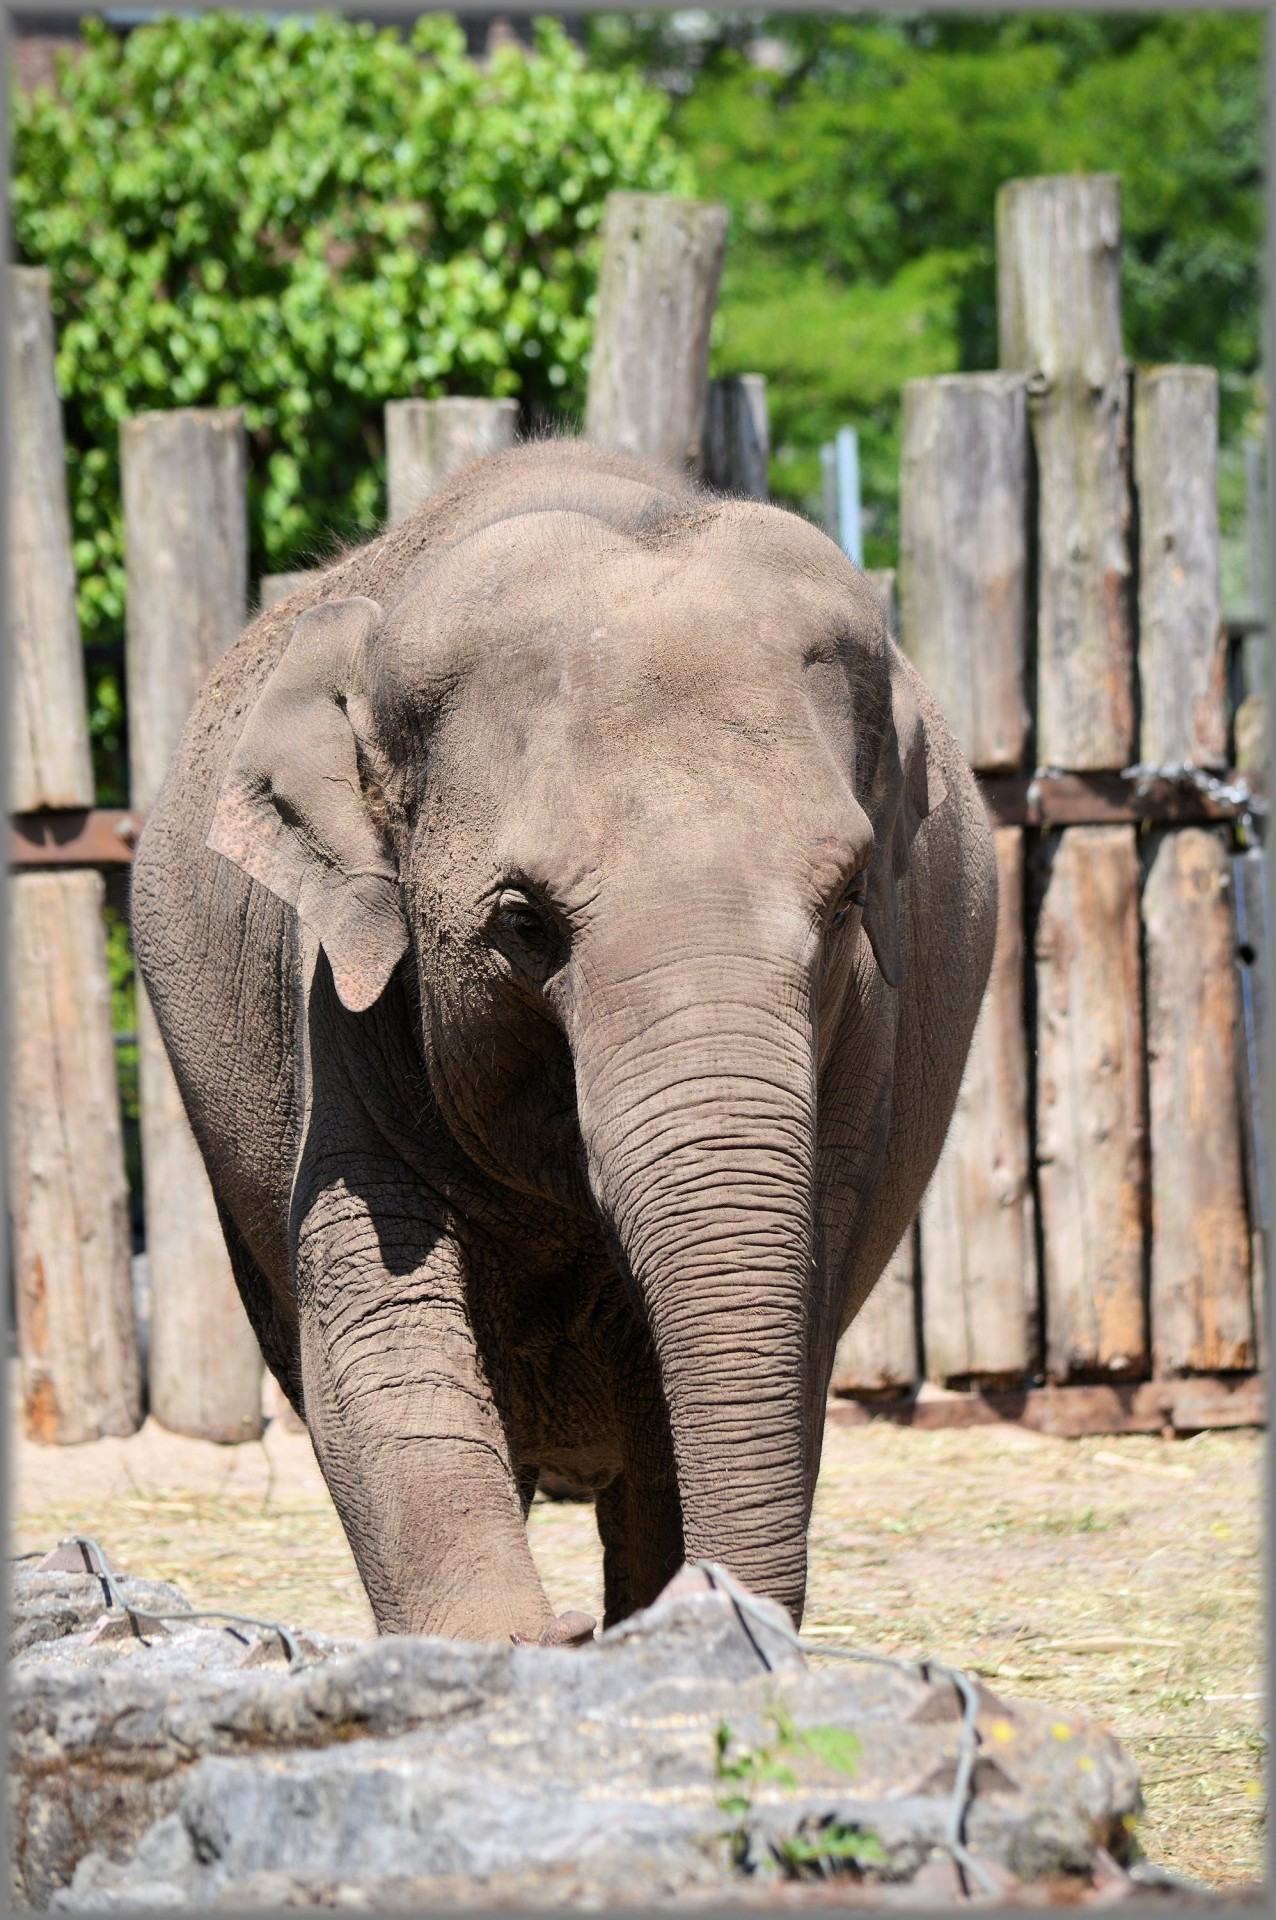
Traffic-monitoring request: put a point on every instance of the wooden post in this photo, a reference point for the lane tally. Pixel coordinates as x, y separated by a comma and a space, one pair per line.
979, 1269
1090, 1105
186, 557
1059, 312
77, 1337
963, 590
68, 1193
963, 572
1182, 640
877, 1355
427, 441
738, 436
1201, 1303
657, 286
274, 587
49, 735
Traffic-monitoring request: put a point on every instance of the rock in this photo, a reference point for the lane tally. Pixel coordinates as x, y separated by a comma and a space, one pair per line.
45, 1607
687, 1755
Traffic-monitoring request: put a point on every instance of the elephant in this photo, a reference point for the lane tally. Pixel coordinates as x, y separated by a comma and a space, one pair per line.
566, 917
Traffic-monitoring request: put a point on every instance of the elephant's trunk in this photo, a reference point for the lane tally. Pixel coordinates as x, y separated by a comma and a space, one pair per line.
696, 1102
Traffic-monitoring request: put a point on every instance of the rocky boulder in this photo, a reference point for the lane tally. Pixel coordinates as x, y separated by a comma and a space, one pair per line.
690, 1755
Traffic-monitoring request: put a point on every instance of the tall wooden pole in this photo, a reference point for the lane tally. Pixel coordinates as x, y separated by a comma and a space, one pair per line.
738, 436
68, 1193
1059, 315
978, 1255
963, 561
427, 441
877, 1355
186, 554
657, 287
1182, 640
1202, 1306
1091, 1111
964, 620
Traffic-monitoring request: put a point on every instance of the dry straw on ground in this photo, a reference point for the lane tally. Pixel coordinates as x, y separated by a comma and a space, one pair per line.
1122, 1577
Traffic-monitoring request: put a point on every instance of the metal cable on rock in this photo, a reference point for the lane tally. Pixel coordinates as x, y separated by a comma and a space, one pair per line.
116, 1602
968, 1748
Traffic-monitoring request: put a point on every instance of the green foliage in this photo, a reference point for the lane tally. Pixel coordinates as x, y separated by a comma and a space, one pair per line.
824, 1846
817, 1847
861, 157
307, 217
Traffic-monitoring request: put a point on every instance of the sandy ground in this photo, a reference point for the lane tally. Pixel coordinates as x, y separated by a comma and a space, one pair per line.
1119, 1576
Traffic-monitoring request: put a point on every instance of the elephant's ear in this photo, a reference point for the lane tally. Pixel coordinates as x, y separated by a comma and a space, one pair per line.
292, 811
907, 787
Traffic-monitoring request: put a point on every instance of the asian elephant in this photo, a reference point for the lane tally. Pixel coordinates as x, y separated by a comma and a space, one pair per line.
566, 917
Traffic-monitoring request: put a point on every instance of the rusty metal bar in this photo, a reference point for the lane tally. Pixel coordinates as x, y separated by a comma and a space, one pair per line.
105, 836
1115, 799
73, 837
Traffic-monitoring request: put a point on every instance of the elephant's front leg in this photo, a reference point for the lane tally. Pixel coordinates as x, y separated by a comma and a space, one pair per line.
403, 1418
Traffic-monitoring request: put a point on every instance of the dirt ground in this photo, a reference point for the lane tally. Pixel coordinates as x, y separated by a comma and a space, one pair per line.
1119, 1576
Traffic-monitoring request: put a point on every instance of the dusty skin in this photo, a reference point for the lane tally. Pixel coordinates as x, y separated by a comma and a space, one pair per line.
1119, 1576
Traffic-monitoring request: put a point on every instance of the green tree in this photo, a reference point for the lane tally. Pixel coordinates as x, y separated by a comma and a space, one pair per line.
861, 157
307, 218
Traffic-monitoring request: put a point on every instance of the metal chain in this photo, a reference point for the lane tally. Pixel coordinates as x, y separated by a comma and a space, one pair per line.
968, 1750
1147, 774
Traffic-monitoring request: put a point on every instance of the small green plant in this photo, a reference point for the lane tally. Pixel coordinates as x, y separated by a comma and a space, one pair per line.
828, 1846
817, 1847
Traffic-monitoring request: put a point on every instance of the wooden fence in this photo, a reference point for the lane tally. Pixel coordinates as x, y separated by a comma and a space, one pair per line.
1088, 1254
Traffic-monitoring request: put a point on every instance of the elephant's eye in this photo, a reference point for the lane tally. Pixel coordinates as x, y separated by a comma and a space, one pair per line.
853, 898
526, 925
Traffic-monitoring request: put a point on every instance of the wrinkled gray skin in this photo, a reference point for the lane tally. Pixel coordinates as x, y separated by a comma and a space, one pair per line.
567, 920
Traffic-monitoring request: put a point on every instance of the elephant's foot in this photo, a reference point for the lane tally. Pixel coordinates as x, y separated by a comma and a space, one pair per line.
568, 1630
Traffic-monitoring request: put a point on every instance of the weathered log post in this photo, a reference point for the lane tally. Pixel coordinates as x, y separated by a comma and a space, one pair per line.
963, 563
1059, 313
657, 287
963, 587
1202, 1304
1182, 638
1201, 1301
68, 1193
186, 557
877, 1355
1091, 1118
978, 1254
427, 441
1059, 319
738, 436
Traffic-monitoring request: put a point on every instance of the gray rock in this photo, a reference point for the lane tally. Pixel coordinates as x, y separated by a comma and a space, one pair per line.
681, 1757
49, 1607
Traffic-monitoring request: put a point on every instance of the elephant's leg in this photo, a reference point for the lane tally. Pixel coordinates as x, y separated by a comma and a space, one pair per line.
640, 1514
641, 1531
402, 1414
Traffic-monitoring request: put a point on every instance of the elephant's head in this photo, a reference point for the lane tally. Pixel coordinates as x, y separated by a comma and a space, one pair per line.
630, 781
